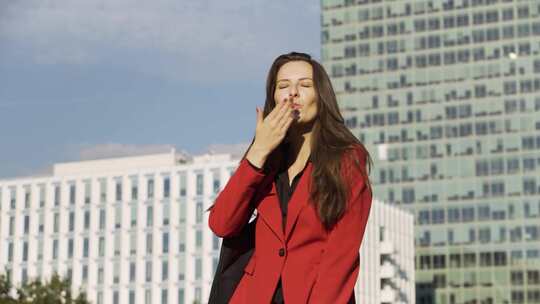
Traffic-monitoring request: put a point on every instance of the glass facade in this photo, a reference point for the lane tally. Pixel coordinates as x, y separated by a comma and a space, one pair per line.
445, 96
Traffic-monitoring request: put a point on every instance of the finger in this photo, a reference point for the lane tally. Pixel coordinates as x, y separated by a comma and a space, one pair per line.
287, 124
285, 116
280, 110
283, 111
276, 110
259, 116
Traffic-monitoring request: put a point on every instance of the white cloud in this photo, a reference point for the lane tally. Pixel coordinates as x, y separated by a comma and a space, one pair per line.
185, 39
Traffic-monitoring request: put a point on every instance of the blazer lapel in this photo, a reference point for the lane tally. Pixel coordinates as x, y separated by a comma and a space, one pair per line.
298, 201
271, 212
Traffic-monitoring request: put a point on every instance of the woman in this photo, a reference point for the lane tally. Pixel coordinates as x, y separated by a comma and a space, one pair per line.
307, 232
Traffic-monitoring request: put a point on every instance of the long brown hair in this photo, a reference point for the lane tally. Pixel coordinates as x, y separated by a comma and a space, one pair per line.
330, 140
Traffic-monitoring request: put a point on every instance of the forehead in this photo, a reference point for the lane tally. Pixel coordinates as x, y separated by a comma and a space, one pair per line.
295, 70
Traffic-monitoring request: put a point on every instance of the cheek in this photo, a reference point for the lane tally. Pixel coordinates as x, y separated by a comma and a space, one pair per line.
279, 95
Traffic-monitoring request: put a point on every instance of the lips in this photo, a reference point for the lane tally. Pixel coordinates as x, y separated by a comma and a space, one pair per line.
297, 106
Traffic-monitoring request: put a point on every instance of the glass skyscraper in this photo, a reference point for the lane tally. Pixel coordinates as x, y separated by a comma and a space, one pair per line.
445, 95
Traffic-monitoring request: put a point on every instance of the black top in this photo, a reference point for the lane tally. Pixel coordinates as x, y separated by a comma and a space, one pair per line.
284, 191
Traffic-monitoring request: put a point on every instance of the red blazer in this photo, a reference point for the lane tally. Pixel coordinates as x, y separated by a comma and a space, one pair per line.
316, 266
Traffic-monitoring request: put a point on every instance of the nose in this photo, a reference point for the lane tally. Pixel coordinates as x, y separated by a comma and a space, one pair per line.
293, 92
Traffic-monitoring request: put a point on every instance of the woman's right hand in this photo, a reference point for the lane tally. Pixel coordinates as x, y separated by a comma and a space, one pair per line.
270, 131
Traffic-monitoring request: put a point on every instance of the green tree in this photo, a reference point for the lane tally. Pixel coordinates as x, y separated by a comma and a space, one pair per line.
54, 291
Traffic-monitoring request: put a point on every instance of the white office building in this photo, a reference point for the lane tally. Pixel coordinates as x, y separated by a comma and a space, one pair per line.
387, 257
126, 230
133, 230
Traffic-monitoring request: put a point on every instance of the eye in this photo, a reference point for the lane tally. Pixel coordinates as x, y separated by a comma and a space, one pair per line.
282, 86
306, 85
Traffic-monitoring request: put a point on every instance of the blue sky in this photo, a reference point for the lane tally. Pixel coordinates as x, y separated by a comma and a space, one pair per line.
81, 79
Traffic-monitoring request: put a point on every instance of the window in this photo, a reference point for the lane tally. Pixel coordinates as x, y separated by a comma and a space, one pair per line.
132, 271
423, 217
101, 246
508, 14
434, 23
101, 275
181, 296
216, 180
182, 183
198, 268
55, 249
148, 271
449, 58
165, 242
87, 192
133, 243
420, 25
529, 186
486, 259
103, 190
10, 252
439, 261
116, 272
434, 59
25, 251
148, 296
529, 164
71, 221
483, 212
86, 247
200, 180
199, 212
56, 197
118, 188
166, 187
492, 16
117, 243
215, 242
56, 223
164, 296
26, 224
467, 214
437, 216
118, 216
198, 238
516, 277
133, 215
72, 194
150, 188
86, 219
453, 215
164, 270
131, 297
134, 189
102, 219
166, 214
484, 235
149, 244
499, 258
149, 216
42, 196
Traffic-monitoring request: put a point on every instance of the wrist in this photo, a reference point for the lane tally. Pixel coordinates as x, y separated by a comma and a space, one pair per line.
257, 156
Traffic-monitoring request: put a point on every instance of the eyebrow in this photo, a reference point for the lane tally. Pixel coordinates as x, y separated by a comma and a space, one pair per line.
286, 79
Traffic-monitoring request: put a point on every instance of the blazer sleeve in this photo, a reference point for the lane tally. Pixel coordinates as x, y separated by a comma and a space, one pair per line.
339, 267
232, 207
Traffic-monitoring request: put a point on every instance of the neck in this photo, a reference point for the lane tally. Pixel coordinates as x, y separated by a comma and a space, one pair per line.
299, 144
